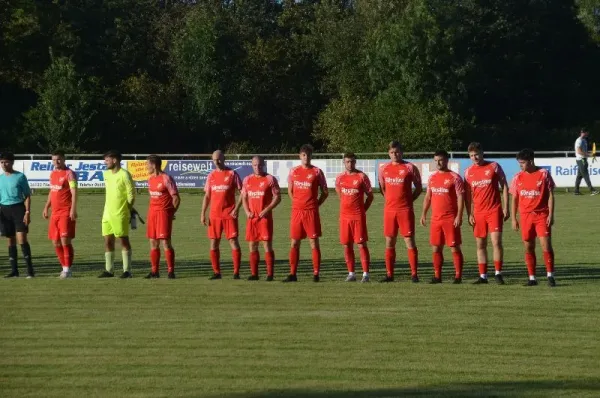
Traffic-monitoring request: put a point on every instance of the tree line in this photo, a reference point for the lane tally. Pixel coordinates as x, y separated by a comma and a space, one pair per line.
267, 76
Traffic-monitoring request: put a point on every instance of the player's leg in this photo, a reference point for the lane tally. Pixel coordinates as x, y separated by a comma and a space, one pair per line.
312, 225
390, 231
544, 233
154, 258
316, 258
17, 215
346, 240
481, 244
453, 240
498, 247
458, 260
231, 230
254, 260
109, 252
215, 231
436, 239
169, 257
579, 176
126, 255
7, 229
294, 257
66, 229
406, 222
365, 261
530, 261
269, 257
54, 236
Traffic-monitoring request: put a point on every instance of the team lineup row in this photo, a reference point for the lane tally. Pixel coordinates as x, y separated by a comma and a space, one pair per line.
484, 193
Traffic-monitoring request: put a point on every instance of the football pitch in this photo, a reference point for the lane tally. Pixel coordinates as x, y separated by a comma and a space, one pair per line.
192, 337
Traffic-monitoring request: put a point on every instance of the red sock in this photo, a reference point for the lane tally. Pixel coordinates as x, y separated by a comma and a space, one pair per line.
458, 259
270, 260
549, 260
294, 257
254, 260
154, 260
482, 268
215, 260
438, 261
236, 255
68, 255
170, 256
530, 261
60, 254
413, 260
365, 258
349, 257
316, 260
498, 266
390, 260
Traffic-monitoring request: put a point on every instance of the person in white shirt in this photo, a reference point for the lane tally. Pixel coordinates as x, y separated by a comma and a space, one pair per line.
581, 155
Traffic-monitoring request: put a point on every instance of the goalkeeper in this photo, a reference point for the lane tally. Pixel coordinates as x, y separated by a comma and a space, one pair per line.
581, 155
120, 195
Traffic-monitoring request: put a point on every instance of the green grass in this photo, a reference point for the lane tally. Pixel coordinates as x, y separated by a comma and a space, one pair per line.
192, 337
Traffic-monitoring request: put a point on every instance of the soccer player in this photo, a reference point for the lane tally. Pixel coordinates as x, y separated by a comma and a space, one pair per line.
532, 192
396, 181
219, 189
164, 202
445, 196
15, 205
260, 195
352, 186
62, 199
485, 210
120, 195
304, 183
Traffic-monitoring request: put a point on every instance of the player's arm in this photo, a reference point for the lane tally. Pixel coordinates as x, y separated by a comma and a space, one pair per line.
245, 203
274, 202
417, 183
74, 195
338, 187
505, 191
238, 187
368, 192
468, 201
551, 208
381, 184
580, 151
47, 206
291, 185
369, 200
514, 205
130, 188
205, 204
324, 192
461, 208
426, 206
26, 190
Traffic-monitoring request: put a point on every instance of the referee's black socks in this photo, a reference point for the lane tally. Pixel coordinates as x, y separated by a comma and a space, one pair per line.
26, 250
12, 257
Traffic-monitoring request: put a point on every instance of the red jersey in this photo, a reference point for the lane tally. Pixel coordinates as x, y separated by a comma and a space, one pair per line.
260, 191
61, 182
484, 182
352, 188
221, 184
161, 189
398, 180
305, 183
533, 190
444, 187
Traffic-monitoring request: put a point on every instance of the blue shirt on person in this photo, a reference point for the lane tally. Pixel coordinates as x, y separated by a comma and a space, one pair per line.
14, 188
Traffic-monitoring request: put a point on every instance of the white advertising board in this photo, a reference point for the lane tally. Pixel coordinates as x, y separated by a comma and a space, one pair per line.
89, 172
564, 171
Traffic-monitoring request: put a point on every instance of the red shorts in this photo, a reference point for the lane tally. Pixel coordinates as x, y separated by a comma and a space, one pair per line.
403, 220
259, 229
61, 227
444, 232
534, 225
488, 222
159, 224
353, 230
219, 226
305, 224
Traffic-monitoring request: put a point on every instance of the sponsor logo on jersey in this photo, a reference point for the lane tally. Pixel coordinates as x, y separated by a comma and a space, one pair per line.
481, 183
350, 191
531, 193
219, 188
256, 194
54, 187
439, 191
155, 194
394, 181
303, 184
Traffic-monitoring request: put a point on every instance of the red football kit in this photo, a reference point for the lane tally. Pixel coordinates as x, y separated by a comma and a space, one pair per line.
533, 191
221, 186
61, 225
305, 183
161, 210
444, 188
398, 214
260, 191
484, 183
352, 188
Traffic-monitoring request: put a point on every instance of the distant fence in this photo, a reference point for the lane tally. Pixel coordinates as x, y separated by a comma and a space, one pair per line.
190, 170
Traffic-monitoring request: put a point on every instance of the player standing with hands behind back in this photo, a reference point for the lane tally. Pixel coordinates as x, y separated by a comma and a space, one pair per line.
532, 192
15, 205
62, 199
120, 195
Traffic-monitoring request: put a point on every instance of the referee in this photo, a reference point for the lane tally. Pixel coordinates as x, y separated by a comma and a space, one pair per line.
581, 155
15, 205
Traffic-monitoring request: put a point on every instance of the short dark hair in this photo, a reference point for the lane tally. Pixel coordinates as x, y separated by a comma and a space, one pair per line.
349, 155
155, 160
441, 152
306, 148
526, 154
58, 152
7, 156
395, 145
113, 154
474, 147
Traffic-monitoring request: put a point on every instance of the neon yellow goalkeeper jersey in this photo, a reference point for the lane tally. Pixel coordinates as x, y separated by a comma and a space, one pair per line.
120, 194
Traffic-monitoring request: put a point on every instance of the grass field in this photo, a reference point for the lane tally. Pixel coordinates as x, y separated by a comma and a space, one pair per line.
191, 337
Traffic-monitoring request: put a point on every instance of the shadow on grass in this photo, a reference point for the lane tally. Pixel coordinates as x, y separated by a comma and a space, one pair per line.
504, 389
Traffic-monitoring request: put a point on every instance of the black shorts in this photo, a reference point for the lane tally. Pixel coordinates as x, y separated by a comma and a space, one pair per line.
11, 220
